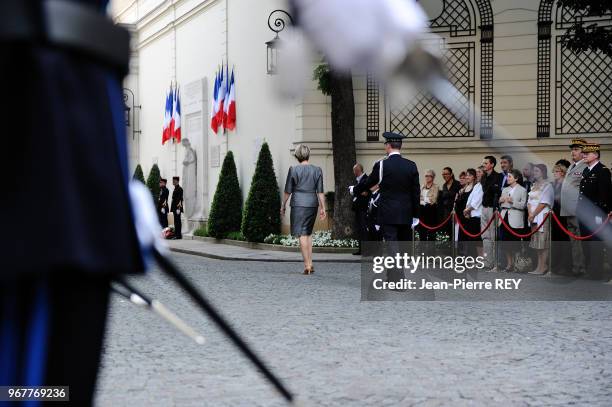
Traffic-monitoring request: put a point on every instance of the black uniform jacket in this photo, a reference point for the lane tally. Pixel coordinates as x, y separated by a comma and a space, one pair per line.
164, 193
595, 189
177, 199
66, 134
399, 190
360, 202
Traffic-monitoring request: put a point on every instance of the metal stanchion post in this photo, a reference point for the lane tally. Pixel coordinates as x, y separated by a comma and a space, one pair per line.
452, 238
495, 224
550, 244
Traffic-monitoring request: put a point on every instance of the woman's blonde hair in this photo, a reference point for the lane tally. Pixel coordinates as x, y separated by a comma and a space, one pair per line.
561, 168
302, 152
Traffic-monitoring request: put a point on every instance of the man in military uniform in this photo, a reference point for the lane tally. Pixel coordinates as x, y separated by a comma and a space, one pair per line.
569, 200
162, 203
593, 207
398, 180
63, 63
177, 207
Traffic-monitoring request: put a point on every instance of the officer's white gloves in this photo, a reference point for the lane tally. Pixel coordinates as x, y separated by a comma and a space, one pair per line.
415, 222
351, 189
598, 220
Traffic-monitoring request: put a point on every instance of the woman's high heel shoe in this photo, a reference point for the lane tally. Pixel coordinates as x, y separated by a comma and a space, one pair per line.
307, 271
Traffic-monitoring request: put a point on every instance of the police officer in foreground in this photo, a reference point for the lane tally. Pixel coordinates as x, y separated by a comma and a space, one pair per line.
594, 205
63, 63
162, 203
398, 181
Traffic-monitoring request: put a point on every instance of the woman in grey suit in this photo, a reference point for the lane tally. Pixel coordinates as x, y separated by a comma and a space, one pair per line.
512, 202
305, 186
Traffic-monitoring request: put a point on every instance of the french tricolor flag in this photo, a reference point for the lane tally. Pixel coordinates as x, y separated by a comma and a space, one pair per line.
175, 120
229, 116
221, 98
166, 134
214, 109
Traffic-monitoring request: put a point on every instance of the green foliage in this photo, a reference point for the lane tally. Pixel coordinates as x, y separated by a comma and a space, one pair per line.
153, 181
236, 236
202, 231
262, 209
322, 74
226, 210
138, 174
587, 36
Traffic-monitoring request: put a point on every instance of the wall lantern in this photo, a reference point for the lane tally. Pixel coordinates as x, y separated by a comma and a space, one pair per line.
129, 108
277, 21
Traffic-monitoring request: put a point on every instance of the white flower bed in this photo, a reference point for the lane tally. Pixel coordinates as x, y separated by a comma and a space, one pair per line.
319, 239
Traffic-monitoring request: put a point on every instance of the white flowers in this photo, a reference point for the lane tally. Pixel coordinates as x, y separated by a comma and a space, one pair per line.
319, 239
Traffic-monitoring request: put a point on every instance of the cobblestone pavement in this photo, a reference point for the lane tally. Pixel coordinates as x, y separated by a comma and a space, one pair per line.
334, 350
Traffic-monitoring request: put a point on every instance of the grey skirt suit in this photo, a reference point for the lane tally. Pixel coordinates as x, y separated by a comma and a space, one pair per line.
304, 182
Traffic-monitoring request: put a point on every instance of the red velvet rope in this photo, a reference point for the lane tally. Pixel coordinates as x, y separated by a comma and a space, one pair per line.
435, 227
523, 235
470, 234
573, 236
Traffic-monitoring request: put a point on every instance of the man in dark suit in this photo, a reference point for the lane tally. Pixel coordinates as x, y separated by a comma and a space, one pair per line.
398, 180
490, 202
162, 203
360, 205
177, 207
593, 207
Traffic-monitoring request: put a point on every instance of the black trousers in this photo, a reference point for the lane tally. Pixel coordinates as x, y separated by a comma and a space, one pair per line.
51, 331
177, 224
593, 250
163, 218
397, 233
361, 225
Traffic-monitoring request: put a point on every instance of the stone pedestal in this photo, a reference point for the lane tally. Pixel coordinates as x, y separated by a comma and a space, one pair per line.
194, 105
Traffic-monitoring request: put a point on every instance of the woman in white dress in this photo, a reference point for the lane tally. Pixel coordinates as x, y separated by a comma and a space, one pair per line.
541, 199
512, 205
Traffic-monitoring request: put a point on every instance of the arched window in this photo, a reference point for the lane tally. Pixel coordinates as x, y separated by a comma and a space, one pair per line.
582, 82
458, 27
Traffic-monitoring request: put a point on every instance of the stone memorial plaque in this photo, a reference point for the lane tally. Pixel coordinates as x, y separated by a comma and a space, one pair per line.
215, 156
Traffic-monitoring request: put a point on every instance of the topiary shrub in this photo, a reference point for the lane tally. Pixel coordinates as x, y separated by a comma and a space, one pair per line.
226, 210
138, 174
153, 182
262, 209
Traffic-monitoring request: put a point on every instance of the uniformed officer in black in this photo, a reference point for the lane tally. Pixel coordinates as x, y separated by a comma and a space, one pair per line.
162, 203
177, 207
594, 205
398, 180
63, 63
